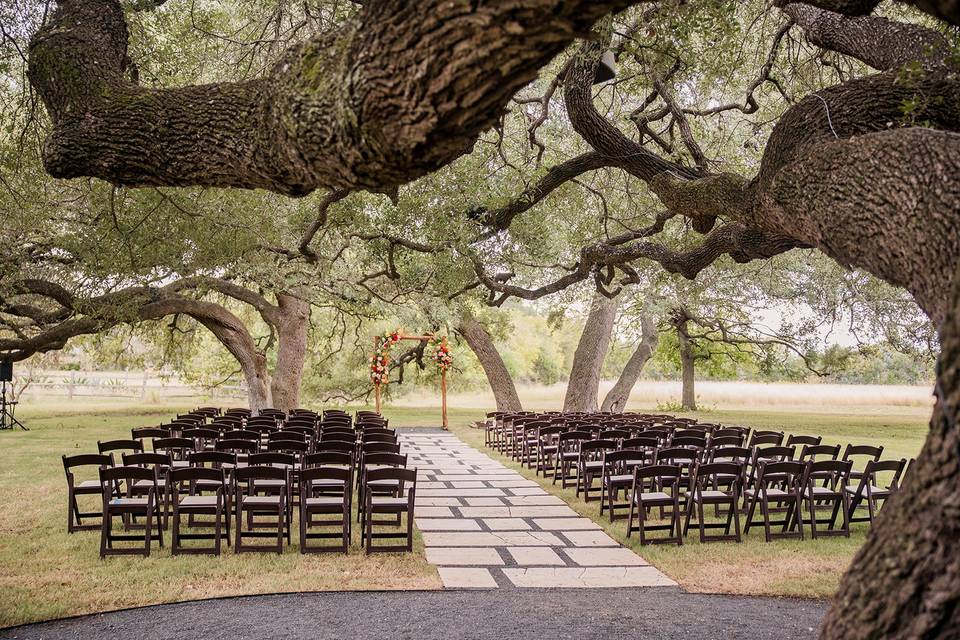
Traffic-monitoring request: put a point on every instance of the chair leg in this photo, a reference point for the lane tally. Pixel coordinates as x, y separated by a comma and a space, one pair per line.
104, 532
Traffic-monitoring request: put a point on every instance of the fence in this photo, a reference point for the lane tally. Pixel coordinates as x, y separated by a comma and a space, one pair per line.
115, 384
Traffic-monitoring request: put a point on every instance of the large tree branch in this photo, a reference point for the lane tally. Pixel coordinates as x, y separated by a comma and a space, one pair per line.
881, 43
401, 90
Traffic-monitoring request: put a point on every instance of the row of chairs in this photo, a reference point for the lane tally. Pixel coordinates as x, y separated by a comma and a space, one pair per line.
172, 482
618, 450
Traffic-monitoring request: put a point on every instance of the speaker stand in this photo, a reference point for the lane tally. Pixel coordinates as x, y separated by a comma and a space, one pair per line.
7, 419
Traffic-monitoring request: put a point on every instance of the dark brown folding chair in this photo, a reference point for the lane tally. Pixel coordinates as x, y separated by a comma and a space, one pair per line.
871, 489
249, 503
778, 483
128, 505
109, 446
88, 487
825, 486
372, 462
184, 487
617, 477
656, 486
568, 455
590, 464
718, 484
159, 462
325, 491
399, 503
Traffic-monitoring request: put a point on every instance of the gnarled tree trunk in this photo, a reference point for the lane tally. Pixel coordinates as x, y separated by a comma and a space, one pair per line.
616, 398
501, 382
584, 384
292, 327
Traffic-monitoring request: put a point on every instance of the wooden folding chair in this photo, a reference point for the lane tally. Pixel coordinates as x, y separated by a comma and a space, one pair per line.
89, 487
656, 486
325, 491
127, 505
400, 503
185, 490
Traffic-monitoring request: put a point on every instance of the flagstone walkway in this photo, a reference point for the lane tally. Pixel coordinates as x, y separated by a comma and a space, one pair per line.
486, 526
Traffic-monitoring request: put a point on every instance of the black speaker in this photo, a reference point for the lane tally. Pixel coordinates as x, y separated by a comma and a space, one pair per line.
6, 371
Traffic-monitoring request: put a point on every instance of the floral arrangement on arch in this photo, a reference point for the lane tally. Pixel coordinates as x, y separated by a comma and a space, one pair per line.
381, 358
441, 354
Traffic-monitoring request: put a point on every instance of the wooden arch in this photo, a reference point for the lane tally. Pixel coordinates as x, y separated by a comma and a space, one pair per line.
443, 375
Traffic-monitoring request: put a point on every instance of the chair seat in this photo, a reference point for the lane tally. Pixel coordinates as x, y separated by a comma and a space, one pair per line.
550, 448
261, 501
383, 484
715, 494
180, 463
329, 482
146, 484
385, 501
88, 484
198, 501
570, 455
620, 479
772, 493
593, 464
651, 496
270, 484
821, 491
324, 502
877, 492
129, 502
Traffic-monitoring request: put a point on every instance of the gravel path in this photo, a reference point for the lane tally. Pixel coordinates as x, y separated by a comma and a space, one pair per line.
606, 614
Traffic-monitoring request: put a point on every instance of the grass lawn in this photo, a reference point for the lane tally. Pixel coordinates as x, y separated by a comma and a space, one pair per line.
808, 568
47, 573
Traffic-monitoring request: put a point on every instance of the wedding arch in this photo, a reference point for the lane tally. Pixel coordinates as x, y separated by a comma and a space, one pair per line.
439, 352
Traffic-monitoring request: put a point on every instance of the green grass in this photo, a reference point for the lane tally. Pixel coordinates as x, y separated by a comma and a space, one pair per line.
46, 573
808, 568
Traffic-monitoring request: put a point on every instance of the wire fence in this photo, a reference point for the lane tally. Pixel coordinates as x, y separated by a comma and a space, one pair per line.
114, 384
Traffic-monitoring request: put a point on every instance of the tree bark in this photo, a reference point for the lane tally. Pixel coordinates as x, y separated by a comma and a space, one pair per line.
688, 396
293, 325
499, 378
584, 384
616, 399
402, 89
905, 580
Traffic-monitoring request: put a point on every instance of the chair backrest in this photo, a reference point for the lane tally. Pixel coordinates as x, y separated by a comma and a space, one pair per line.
790, 472
307, 431
572, 439
159, 461
712, 474
385, 459
215, 459
876, 467
176, 447
323, 472
242, 434
695, 442
659, 472
640, 442
775, 452
614, 434
732, 454
794, 440
764, 438
834, 472
328, 459
405, 478
141, 433
186, 477
378, 437
673, 455
869, 451
621, 461
725, 441
86, 460
593, 449
379, 447
120, 445
237, 446
272, 458
339, 446
244, 475
820, 451
122, 479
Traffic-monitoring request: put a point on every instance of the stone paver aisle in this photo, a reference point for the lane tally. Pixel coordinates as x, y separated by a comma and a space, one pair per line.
486, 526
